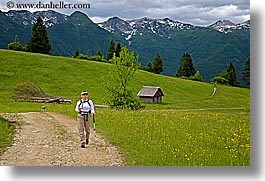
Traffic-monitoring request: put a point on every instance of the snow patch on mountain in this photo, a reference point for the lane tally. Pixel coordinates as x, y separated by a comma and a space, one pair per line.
49, 17
162, 27
226, 26
129, 28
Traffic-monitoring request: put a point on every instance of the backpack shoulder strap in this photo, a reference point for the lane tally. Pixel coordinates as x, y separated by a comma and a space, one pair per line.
88, 102
81, 102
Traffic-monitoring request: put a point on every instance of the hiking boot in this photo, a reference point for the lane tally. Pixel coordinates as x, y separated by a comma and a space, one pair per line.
87, 141
82, 146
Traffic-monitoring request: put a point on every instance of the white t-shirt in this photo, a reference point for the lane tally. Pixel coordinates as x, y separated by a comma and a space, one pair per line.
85, 106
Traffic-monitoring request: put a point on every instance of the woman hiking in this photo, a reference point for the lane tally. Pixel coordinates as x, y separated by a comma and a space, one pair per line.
84, 108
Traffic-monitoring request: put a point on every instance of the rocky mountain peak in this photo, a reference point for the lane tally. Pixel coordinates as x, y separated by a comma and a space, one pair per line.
227, 26
128, 28
25, 17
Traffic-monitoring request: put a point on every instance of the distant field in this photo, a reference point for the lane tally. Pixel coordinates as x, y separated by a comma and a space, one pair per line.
188, 128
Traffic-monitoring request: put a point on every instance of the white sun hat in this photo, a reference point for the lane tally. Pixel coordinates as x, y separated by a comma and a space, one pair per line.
84, 92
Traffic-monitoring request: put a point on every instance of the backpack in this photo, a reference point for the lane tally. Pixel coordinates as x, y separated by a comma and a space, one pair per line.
82, 102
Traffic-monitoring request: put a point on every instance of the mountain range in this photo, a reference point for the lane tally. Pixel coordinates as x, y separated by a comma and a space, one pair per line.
211, 48
128, 28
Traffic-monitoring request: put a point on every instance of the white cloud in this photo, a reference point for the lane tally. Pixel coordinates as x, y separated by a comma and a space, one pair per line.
224, 11
198, 12
97, 19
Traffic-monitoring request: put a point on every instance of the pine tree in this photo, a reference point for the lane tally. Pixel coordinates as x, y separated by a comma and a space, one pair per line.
246, 72
111, 50
39, 41
118, 49
99, 53
158, 64
186, 68
231, 75
77, 53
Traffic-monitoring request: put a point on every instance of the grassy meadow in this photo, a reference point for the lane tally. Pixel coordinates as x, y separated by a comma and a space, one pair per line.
189, 128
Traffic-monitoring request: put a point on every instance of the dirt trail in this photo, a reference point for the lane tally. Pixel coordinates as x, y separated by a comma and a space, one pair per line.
49, 139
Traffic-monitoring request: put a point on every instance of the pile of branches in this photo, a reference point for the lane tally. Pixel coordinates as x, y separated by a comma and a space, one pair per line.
30, 92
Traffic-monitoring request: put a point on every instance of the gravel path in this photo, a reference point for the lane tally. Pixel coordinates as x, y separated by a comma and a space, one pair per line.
49, 139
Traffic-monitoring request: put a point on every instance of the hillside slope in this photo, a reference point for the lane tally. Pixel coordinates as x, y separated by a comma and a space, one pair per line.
66, 77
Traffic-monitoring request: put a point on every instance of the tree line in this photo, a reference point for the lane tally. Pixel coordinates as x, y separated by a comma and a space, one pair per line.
186, 70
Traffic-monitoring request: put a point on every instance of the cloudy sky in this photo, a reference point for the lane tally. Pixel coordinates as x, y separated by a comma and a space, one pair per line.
197, 12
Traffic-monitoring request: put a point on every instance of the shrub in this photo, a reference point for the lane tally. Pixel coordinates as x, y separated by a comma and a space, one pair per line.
220, 80
82, 56
196, 77
97, 58
16, 45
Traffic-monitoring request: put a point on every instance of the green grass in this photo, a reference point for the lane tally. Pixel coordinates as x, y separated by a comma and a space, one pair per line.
183, 138
6, 134
188, 128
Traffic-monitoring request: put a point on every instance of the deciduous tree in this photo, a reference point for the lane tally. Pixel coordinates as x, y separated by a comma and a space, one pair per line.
117, 83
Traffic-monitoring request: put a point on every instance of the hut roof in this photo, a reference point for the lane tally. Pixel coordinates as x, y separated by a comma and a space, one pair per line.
149, 91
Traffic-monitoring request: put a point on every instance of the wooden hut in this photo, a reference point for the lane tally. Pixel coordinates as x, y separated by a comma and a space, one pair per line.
151, 94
